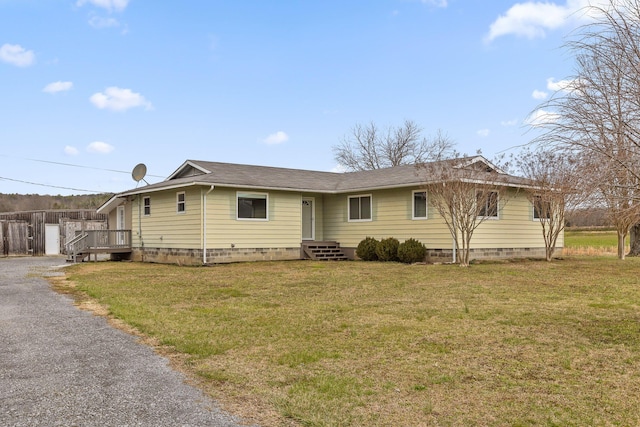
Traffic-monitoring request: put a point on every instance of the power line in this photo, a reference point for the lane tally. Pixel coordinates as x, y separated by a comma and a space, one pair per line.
74, 165
50, 186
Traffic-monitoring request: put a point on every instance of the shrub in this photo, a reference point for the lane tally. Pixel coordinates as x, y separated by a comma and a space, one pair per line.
366, 249
387, 249
411, 251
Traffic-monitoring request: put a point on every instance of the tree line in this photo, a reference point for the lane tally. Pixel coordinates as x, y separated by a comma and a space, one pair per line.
31, 202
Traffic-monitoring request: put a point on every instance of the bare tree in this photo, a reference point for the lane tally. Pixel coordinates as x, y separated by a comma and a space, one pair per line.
368, 147
598, 114
465, 196
554, 190
617, 189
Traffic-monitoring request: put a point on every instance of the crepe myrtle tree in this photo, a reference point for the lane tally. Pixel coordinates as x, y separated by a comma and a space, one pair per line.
554, 190
465, 197
368, 147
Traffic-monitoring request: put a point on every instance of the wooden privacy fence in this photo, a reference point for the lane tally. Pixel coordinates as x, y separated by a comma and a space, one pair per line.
15, 237
24, 233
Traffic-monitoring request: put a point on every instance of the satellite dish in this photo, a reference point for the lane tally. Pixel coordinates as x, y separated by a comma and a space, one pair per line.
139, 172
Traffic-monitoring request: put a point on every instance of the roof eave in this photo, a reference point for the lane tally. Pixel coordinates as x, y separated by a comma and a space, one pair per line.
115, 201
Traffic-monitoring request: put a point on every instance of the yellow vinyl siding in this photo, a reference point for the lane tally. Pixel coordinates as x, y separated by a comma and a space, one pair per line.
283, 229
166, 227
514, 228
392, 217
113, 217
392, 212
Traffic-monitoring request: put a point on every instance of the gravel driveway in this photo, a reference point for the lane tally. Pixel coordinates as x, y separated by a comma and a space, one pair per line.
60, 366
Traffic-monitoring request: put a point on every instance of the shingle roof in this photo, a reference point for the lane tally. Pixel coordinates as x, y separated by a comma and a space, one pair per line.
197, 172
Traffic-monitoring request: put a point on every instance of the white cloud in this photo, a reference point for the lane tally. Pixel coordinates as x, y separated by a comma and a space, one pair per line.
117, 99
56, 87
110, 5
483, 133
338, 169
100, 22
100, 147
538, 94
563, 85
533, 19
16, 55
437, 3
509, 122
541, 118
276, 138
71, 151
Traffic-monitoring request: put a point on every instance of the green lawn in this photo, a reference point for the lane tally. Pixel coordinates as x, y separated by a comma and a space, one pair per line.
592, 240
525, 343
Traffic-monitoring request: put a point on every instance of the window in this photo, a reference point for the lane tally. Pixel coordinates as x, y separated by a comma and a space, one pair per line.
488, 203
146, 202
181, 202
541, 208
253, 206
360, 208
419, 205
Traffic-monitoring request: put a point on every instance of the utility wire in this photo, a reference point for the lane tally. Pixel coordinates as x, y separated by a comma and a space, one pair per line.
50, 186
73, 165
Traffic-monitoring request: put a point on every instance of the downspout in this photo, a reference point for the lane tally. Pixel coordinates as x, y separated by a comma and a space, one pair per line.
140, 240
455, 247
204, 225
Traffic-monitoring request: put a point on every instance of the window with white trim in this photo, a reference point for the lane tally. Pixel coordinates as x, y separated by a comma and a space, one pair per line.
181, 202
252, 206
146, 203
419, 204
488, 202
360, 208
541, 208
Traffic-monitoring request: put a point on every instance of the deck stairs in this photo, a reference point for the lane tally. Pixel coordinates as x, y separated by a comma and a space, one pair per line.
323, 251
88, 242
77, 248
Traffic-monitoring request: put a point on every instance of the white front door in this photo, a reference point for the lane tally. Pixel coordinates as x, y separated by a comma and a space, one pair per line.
308, 219
52, 239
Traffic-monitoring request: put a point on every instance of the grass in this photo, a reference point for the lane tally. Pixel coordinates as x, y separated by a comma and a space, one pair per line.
525, 343
592, 241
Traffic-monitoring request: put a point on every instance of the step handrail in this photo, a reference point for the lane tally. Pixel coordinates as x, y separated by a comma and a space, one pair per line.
77, 244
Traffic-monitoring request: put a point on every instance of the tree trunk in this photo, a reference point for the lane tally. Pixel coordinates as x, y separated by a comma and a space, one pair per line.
621, 244
634, 237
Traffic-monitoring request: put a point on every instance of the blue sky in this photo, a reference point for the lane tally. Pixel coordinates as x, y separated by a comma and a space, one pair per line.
90, 88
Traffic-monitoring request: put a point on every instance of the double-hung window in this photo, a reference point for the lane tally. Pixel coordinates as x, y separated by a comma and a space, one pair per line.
181, 202
419, 205
360, 208
146, 204
253, 206
541, 208
487, 203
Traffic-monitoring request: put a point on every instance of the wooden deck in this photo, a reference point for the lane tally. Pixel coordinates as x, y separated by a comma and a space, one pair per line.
88, 242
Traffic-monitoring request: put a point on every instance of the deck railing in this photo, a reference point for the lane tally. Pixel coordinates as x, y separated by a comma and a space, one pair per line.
107, 239
94, 241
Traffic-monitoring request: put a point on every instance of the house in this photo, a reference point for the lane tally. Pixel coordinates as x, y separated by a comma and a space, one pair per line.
211, 212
